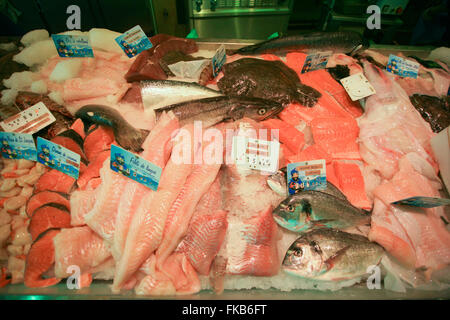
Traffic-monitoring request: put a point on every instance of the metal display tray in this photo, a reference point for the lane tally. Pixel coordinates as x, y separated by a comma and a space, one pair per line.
100, 290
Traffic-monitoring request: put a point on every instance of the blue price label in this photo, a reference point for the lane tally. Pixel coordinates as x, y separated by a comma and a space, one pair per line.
69, 46
17, 146
402, 67
135, 167
57, 157
307, 175
134, 41
423, 202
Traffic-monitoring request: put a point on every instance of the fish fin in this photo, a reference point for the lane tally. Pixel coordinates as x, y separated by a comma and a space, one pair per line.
331, 261
321, 222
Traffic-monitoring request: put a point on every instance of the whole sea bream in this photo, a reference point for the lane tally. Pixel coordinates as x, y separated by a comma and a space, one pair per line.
310, 209
217, 109
271, 80
339, 42
331, 255
160, 93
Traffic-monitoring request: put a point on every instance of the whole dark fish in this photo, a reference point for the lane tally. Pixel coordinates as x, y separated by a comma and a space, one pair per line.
310, 209
434, 110
126, 135
338, 42
271, 80
278, 183
331, 255
217, 109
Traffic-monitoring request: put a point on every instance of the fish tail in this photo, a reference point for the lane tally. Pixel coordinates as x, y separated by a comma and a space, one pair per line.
131, 139
307, 96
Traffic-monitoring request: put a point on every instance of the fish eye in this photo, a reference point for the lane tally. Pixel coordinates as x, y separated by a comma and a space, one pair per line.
298, 252
262, 111
291, 208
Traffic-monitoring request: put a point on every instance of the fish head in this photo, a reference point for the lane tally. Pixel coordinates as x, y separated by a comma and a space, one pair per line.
304, 259
293, 214
277, 182
256, 109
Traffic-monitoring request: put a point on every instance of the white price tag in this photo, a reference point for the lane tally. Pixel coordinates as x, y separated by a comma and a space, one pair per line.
256, 154
358, 87
30, 120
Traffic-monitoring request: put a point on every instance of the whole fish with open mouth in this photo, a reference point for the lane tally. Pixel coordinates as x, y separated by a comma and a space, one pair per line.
126, 135
331, 255
160, 93
217, 109
311, 209
278, 183
339, 42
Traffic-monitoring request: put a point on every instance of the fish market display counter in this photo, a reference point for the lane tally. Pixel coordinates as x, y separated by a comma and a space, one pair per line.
308, 124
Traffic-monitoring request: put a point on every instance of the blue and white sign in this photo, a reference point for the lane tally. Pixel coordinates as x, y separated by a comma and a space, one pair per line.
17, 146
57, 157
307, 175
135, 167
316, 61
402, 67
219, 59
70, 46
423, 202
134, 41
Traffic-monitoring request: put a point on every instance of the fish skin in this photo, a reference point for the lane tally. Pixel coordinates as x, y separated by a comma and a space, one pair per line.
126, 135
277, 182
271, 80
217, 109
338, 42
331, 255
434, 110
160, 93
41, 258
310, 209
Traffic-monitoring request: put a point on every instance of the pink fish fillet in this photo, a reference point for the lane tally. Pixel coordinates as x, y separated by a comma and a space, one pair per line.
391, 127
81, 247
157, 148
81, 202
204, 239
102, 217
424, 227
260, 257
183, 208
183, 276
147, 225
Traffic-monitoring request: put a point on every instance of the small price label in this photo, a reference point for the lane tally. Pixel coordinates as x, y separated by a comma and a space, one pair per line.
256, 154
30, 120
57, 157
219, 59
134, 167
316, 61
70, 46
402, 67
134, 41
357, 86
423, 202
17, 146
306, 175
